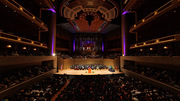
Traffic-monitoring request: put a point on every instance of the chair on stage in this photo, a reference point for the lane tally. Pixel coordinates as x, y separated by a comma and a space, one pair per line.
111, 69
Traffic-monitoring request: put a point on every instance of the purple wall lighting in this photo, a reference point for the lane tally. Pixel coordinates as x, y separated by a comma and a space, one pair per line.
124, 44
125, 12
52, 49
74, 44
103, 46
52, 10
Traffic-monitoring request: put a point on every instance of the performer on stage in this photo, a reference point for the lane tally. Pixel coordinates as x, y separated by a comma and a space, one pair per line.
97, 67
89, 70
82, 67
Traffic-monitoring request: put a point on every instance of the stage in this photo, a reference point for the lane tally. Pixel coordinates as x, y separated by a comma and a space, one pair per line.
85, 72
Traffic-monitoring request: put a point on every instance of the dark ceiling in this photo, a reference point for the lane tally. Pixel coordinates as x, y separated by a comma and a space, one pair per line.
63, 21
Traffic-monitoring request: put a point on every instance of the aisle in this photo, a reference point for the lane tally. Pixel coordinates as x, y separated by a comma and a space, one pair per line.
56, 95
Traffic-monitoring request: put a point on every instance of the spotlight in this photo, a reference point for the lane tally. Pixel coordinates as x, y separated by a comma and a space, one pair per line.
165, 47
143, 20
155, 12
21, 8
8, 46
141, 50
54, 54
151, 48
24, 48
34, 49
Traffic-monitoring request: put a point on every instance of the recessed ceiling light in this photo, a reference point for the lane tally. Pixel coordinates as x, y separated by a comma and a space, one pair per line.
8, 46
24, 48
165, 47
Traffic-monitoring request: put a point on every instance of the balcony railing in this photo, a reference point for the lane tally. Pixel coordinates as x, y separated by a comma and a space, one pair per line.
166, 39
163, 9
14, 38
21, 10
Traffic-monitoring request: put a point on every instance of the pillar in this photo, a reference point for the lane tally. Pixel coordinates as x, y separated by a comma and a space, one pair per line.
124, 31
52, 33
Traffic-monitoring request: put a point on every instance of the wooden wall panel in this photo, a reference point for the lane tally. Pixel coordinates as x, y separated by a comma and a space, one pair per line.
17, 60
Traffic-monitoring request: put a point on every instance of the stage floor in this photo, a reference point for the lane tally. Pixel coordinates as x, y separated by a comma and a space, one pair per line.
84, 72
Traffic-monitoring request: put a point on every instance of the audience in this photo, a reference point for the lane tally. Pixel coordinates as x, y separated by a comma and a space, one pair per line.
115, 88
90, 56
15, 49
169, 77
20, 75
42, 91
63, 56
93, 88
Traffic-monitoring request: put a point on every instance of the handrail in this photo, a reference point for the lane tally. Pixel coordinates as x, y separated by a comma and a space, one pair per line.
156, 41
6, 36
30, 13
15, 5
155, 13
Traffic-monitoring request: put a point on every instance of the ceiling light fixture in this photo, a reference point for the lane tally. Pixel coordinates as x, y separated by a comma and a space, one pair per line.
8, 46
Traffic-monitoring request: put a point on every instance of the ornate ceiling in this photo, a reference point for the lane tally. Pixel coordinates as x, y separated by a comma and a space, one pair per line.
89, 15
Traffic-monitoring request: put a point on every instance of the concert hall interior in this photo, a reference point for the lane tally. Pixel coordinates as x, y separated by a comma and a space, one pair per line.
89, 50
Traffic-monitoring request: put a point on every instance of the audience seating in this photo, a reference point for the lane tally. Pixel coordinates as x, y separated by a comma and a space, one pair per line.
110, 56
114, 88
20, 75
41, 91
168, 77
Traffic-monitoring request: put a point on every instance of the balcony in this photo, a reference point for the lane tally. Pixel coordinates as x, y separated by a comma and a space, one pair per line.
25, 13
152, 17
18, 60
17, 39
167, 39
158, 60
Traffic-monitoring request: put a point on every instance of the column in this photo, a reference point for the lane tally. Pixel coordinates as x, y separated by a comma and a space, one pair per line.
52, 33
124, 31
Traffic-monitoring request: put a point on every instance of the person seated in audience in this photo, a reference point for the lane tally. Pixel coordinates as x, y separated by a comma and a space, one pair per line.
115, 88
41, 91
20, 75
169, 77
